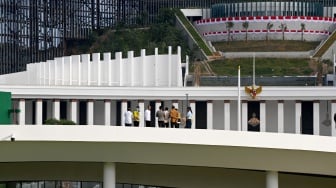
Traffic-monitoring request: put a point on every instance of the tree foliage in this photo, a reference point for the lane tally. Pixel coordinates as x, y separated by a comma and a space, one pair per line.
122, 39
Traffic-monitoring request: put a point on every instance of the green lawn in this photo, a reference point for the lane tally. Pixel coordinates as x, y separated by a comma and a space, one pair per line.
263, 66
264, 46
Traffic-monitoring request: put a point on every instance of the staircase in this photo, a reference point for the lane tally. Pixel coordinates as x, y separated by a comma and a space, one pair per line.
194, 34
325, 45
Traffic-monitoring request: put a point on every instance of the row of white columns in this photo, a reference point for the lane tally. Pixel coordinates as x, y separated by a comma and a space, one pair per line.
192, 104
272, 177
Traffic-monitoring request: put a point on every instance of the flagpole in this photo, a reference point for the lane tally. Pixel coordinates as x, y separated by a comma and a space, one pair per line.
239, 103
253, 69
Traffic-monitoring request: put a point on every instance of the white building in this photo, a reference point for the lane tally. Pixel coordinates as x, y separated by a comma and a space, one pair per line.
294, 145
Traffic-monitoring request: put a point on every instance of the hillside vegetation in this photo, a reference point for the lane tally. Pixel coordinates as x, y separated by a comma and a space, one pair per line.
164, 34
122, 39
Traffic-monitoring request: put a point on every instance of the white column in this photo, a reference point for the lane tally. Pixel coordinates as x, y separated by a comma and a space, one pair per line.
281, 126
157, 106
97, 63
118, 59
169, 66
272, 179
192, 105
56, 109
333, 112
109, 175
123, 110
209, 115
227, 115
107, 60
70, 70
316, 118
298, 117
176, 104
107, 112
141, 113
244, 117
22, 113
130, 56
262, 116
63, 72
90, 112
143, 67
73, 112
38, 112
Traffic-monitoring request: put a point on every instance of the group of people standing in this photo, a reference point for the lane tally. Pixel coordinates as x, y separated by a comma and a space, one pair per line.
166, 118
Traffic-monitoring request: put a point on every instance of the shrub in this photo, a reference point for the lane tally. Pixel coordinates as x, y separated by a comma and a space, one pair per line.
53, 121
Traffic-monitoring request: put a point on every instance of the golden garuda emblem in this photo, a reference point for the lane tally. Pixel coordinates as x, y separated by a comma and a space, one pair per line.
253, 90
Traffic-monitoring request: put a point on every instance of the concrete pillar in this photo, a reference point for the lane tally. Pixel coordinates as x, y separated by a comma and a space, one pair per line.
333, 112
227, 115
90, 112
297, 117
141, 113
38, 112
272, 179
107, 111
316, 118
157, 106
109, 175
262, 116
73, 110
123, 110
22, 113
244, 121
56, 109
192, 105
130, 57
209, 115
176, 104
281, 126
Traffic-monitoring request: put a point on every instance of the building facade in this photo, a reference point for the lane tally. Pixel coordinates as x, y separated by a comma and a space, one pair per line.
291, 145
34, 31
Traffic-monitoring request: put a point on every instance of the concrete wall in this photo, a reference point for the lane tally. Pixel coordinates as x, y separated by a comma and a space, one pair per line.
90, 70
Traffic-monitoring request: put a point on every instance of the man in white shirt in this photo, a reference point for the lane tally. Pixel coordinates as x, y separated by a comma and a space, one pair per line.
148, 116
128, 117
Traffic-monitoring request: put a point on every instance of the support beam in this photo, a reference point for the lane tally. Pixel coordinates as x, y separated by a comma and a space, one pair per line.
272, 179
22, 114
56, 109
38, 112
192, 105
281, 125
90, 112
297, 117
109, 175
227, 115
210, 115
262, 116
244, 126
316, 118
107, 111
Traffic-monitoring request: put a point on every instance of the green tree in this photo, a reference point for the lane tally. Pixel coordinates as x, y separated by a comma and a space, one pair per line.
303, 28
268, 28
229, 25
283, 28
245, 26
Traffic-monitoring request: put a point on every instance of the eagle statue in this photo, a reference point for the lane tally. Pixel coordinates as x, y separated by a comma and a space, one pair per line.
253, 90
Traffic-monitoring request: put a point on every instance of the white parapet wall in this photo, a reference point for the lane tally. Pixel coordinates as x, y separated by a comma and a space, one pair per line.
308, 28
158, 70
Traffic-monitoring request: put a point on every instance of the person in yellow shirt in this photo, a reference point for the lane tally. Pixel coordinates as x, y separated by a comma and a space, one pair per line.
136, 117
173, 117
